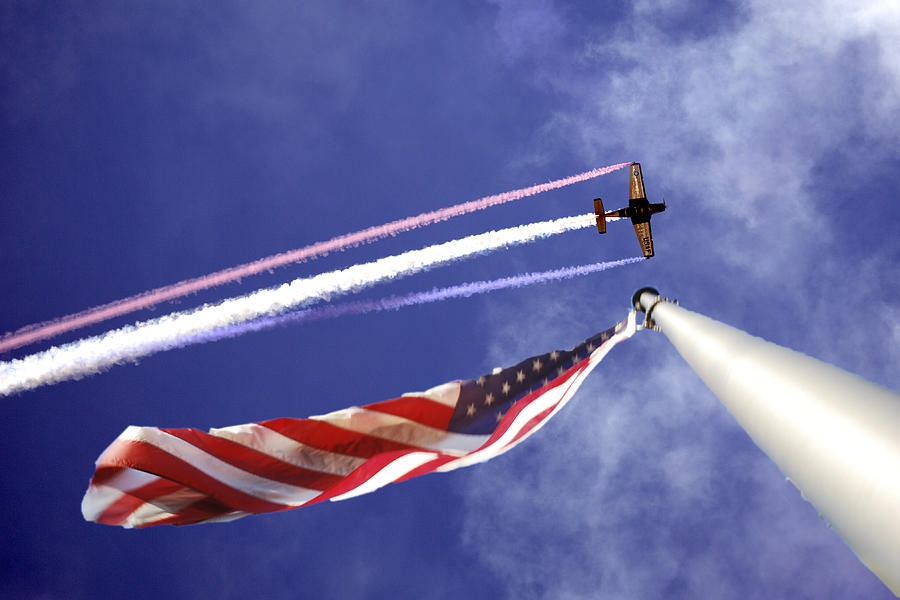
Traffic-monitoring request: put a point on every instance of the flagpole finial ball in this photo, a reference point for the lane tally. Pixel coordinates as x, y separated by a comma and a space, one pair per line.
636, 297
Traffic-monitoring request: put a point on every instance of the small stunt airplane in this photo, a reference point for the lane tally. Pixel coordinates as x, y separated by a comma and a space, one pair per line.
639, 211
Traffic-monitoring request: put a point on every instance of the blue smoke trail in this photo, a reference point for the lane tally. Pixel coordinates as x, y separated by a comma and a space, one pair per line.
464, 290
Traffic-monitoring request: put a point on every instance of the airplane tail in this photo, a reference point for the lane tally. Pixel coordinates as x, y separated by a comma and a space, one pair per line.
601, 215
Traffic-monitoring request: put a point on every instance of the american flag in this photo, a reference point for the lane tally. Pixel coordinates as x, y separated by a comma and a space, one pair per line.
154, 476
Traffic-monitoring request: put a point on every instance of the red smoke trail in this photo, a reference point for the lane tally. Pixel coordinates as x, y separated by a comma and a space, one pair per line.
41, 331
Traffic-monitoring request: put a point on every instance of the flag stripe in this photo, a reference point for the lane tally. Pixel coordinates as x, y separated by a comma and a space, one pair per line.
361, 475
269, 441
446, 394
223, 473
121, 499
390, 472
320, 434
119, 506
520, 420
144, 456
253, 461
544, 408
110, 493
511, 425
417, 408
427, 467
402, 430
122, 478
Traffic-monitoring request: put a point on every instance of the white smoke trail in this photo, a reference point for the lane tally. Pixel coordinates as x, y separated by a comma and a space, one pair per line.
92, 355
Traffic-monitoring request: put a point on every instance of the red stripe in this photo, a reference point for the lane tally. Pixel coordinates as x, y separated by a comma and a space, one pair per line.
532, 423
519, 406
104, 474
418, 409
427, 467
362, 474
566, 379
255, 462
119, 511
149, 458
325, 436
545, 414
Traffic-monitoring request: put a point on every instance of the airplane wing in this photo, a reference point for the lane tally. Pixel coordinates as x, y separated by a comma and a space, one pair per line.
644, 237
636, 185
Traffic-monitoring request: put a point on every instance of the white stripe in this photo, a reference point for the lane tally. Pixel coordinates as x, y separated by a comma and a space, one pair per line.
99, 497
446, 394
561, 394
390, 472
274, 444
405, 431
507, 439
130, 479
244, 481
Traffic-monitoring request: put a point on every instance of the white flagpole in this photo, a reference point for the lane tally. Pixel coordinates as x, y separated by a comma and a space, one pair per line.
835, 435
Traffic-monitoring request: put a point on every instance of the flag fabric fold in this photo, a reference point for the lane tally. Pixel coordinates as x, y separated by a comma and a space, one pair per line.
154, 476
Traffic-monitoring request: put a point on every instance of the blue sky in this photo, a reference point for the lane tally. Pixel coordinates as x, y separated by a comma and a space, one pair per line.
146, 145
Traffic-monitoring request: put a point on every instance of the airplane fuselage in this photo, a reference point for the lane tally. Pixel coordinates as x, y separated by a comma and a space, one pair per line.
638, 210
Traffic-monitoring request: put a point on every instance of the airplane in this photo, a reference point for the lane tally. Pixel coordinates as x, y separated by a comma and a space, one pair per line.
639, 211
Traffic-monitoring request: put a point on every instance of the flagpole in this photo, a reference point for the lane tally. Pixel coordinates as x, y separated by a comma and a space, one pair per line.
835, 435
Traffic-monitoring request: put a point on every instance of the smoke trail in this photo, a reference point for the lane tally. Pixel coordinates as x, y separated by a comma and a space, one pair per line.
42, 331
129, 343
463, 290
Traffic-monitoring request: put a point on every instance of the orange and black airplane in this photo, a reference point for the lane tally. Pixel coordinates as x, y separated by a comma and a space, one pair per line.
639, 211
